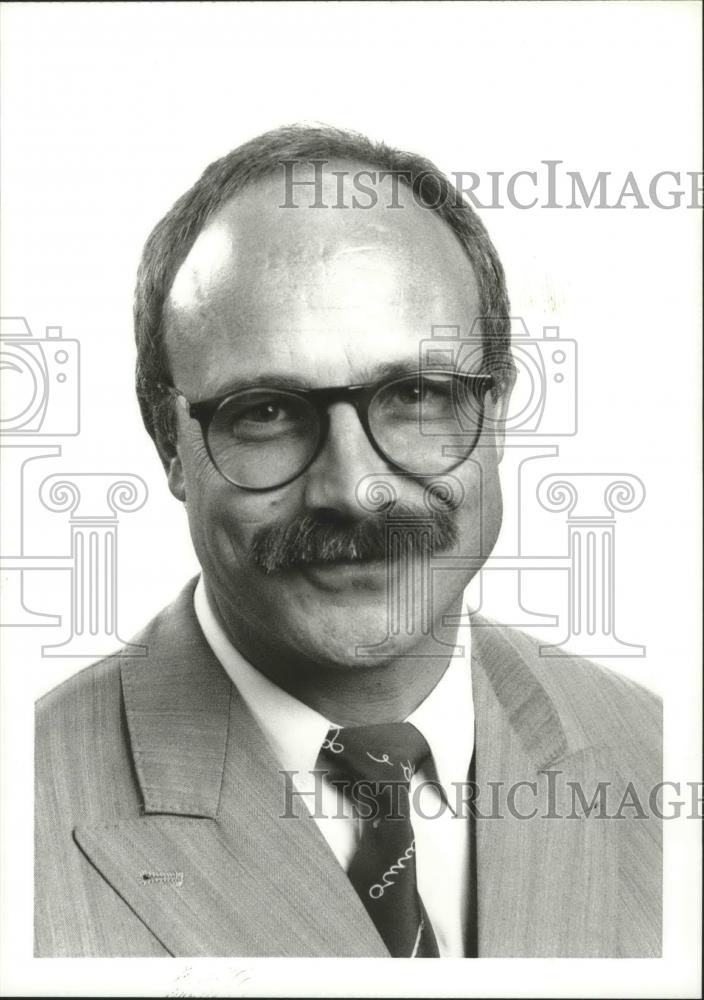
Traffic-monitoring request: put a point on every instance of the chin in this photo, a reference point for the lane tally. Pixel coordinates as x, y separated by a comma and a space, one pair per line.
351, 638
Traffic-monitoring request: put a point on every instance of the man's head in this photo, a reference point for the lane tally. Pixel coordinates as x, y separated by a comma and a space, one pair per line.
238, 289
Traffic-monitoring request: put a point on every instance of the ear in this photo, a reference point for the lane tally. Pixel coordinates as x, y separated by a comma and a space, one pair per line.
168, 449
497, 411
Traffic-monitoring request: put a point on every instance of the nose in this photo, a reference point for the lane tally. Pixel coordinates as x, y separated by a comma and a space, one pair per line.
346, 458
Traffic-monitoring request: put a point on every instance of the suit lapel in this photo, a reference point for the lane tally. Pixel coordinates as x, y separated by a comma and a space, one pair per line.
213, 867
546, 886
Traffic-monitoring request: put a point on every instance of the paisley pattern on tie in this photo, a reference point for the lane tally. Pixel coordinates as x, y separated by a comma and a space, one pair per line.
373, 766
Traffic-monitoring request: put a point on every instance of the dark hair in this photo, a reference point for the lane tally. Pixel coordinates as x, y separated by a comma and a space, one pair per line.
171, 240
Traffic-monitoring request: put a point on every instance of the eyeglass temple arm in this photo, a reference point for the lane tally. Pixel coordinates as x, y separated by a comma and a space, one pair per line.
176, 394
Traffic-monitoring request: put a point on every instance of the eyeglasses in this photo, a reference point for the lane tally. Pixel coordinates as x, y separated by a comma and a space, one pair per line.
263, 437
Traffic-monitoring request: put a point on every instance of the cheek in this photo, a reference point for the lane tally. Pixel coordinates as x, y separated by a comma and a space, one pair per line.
222, 518
480, 514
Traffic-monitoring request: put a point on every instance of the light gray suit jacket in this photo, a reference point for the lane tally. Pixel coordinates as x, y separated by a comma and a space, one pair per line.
159, 829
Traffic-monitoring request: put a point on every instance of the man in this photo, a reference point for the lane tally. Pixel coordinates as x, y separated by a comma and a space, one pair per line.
226, 794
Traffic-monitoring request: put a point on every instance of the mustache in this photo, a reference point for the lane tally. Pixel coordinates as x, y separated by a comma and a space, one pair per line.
332, 538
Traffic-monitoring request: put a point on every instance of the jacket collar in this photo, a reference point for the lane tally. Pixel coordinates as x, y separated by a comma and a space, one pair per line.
501, 665
177, 705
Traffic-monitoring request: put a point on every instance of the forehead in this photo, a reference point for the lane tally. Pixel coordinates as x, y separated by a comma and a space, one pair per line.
331, 293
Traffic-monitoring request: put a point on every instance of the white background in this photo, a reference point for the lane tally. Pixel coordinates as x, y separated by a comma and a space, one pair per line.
111, 111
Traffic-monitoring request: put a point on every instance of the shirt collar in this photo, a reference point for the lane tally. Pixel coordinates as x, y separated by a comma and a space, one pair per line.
446, 719
295, 731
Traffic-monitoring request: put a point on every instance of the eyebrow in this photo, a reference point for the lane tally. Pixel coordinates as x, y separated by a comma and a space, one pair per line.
389, 369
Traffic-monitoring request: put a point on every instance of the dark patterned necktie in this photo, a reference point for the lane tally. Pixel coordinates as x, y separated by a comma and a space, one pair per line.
373, 765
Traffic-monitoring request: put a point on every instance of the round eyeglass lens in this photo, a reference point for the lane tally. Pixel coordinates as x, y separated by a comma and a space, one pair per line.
261, 438
426, 423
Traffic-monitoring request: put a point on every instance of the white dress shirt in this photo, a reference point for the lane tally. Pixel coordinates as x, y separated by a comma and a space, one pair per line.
295, 733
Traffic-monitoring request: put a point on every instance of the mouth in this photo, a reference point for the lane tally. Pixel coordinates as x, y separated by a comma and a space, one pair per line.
342, 574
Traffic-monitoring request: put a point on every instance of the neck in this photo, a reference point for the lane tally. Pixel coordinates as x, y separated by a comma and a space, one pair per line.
379, 691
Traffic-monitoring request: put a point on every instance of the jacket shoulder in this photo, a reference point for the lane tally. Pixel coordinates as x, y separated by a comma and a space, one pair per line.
597, 706
90, 702
72, 704
81, 753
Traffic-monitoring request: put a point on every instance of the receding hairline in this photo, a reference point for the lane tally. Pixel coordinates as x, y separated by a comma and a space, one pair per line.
254, 189
259, 200
259, 158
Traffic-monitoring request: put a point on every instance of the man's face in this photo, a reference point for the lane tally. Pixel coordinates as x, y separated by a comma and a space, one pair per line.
312, 298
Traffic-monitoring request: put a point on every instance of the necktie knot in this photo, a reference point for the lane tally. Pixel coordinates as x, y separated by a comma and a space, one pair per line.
382, 753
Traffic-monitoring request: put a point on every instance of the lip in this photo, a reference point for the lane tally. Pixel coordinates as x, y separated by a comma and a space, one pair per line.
338, 575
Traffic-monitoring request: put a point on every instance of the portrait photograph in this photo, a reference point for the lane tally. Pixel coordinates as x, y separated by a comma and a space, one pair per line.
351, 499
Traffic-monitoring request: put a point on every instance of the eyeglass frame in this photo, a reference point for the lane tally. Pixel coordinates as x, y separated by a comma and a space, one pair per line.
359, 396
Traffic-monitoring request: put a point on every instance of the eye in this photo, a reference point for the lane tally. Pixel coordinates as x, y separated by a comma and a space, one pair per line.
424, 389
409, 392
263, 413
263, 408
414, 400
